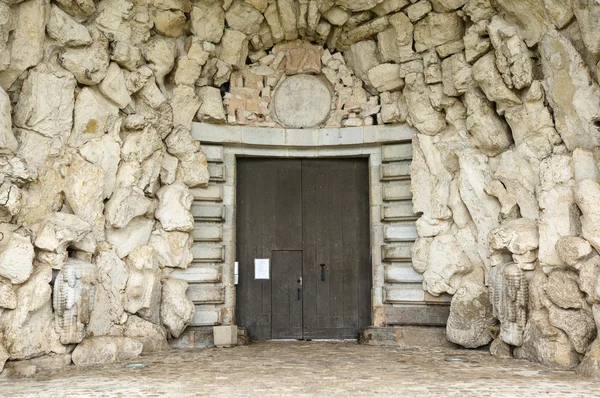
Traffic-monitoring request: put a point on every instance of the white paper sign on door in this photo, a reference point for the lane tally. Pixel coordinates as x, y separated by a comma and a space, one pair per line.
261, 268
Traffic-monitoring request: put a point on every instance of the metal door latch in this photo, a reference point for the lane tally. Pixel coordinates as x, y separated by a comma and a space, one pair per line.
322, 272
299, 287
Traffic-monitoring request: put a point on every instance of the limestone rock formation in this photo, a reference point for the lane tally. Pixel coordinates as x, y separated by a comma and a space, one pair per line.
177, 310
99, 164
470, 316
105, 349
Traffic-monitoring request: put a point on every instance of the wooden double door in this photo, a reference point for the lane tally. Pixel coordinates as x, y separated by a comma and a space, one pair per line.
310, 219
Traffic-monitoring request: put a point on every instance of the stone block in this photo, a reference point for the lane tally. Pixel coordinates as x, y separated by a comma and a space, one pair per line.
225, 336
208, 254
399, 252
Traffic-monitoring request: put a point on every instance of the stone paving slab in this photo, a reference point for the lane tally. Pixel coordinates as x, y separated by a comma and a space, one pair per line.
308, 369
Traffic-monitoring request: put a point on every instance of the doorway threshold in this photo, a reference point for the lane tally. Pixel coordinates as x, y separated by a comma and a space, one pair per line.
317, 340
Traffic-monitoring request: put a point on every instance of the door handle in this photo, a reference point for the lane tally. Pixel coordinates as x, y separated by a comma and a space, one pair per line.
322, 272
299, 288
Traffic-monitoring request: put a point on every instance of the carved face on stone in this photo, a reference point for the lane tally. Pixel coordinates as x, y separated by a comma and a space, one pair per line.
302, 101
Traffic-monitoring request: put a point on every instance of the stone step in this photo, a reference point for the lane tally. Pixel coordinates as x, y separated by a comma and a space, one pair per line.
216, 172
396, 253
208, 212
400, 211
395, 171
402, 273
400, 232
204, 253
212, 193
198, 274
202, 294
399, 190
204, 232
214, 153
205, 316
403, 292
395, 152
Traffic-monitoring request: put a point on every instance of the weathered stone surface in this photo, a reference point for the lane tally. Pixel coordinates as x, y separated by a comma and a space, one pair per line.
124, 205
355, 6
587, 194
546, 344
590, 364
173, 210
93, 116
104, 153
126, 55
88, 64
153, 337
531, 123
513, 59
518, 236
531, 16
28, 330
562, 289
207, 20
136, 233
192, 170
8, 142
587, 13
490, 133
421, 113
386, 77
105, 349
8, 298
488, 77
572, 249
234, 48
62, 28
302, 101
3, 357
26, 41
589, 270
140, 145
437, 29
446, 266
114, 86
470, 316
573, 95
243, 18
177, 310
52, 119
160, 54
58, 230
143, 291
559, 216
211, 109
16, 255
73, 299
578, 325
361, 57
172, 248
109, 295
484, 209
84, 192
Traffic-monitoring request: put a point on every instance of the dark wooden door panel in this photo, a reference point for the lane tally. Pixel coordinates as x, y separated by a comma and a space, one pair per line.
303, 214
337, 262
269, 217
286, 302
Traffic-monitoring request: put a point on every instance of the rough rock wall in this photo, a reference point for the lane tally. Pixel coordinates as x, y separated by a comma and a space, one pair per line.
97, 156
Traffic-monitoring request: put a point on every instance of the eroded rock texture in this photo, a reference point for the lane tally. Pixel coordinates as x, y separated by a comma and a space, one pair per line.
98, 165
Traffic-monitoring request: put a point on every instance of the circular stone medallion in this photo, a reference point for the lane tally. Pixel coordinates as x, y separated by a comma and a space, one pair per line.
302, 101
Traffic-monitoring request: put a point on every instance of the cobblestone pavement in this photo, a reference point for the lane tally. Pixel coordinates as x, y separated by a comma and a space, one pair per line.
307, 369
